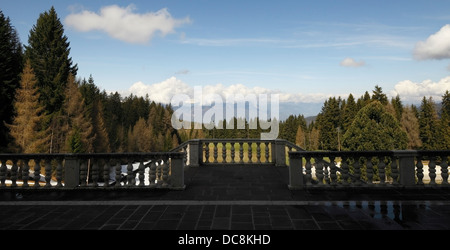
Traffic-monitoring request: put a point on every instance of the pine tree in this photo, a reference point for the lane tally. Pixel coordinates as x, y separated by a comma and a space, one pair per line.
429, 125
10, 69
349, 113
95, 111
374, 129
328, 123
301, 138
410, 125
398, 107
445, 120
26, 126
48, 50
80, 125
140, 137
378, 95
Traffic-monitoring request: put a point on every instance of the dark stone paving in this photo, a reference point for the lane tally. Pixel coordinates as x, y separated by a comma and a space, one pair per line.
227, 198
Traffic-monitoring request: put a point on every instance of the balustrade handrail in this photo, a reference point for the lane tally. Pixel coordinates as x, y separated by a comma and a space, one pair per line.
369, 168
74, 170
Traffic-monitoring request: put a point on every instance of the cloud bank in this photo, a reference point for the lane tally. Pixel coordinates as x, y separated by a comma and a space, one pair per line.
437, 46
350, 62
124, 24
414, 92
165, 90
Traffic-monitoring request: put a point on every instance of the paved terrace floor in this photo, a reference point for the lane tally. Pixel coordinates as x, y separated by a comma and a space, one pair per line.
227, 197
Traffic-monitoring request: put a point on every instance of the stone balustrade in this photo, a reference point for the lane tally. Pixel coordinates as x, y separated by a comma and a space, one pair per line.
406, 168
236, 151
307, 169
124, 170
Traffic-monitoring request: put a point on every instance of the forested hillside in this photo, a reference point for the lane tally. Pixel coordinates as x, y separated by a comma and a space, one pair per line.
46, 108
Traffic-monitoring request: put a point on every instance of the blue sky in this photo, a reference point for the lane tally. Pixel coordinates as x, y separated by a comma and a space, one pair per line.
304, 50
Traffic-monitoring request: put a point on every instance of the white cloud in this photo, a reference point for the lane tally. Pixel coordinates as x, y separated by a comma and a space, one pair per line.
437, 46
124, 24
161, 92
350, 62
412, 91
165, 90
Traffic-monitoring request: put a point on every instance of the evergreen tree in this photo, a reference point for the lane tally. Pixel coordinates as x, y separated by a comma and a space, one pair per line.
398, 107
429, 125
26, 126
374, 129
94, 108
378, 95
48, 50
445, 120
79, 123
410, 125
349, 113
328, 123
10, 69
113, 117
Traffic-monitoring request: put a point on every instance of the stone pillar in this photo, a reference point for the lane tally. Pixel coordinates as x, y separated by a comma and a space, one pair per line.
295, 171
72, 172
195, 153
279, 153
406, 167
177, 173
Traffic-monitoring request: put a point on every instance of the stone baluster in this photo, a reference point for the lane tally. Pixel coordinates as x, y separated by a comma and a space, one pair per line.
207, 152
215, 152
106, 169
249, 152
152, 174
241, 152
308, 170
419, 166
394, 170
118, 173
369, 170
258, 152
224, 152
25, 173
381, 170
3, 169
48, 172
165, 172
14, 169
95, 172
83, 173
319, 170
357, 172
130, 174
266, 149
59, 172
326, 174
432, 169
333, 176
37, 172
344, 167
233, 152
158, 172
141, 171
444, 170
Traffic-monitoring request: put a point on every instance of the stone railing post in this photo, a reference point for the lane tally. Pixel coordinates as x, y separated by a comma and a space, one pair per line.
72, 172
177, 172
406, 167
295, 171
195, 153
279, 153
